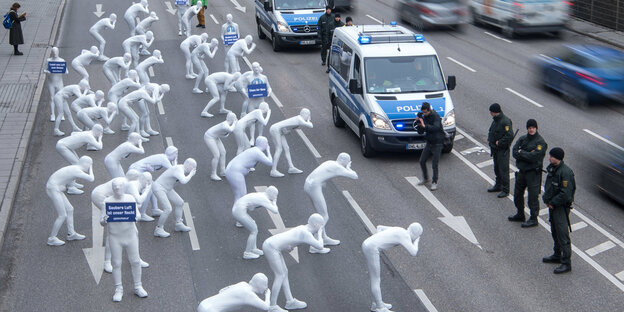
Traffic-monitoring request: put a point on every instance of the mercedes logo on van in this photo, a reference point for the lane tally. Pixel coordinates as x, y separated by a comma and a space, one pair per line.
306, 28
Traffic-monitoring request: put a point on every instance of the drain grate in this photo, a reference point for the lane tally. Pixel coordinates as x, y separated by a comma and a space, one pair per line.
14, 97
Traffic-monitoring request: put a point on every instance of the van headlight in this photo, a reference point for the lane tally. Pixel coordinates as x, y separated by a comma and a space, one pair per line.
449, 119
379, 122
282, 27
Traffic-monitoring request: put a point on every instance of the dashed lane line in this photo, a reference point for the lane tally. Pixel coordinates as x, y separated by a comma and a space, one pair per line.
307, 142
189, 222
374, 19
460, 64
214, 19
425, 300
600, 248
497, 37
161, 109
524, 97
169, 141
367, 222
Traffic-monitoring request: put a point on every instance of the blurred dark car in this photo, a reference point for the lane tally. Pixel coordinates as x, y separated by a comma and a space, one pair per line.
584, 74
610, 165
424, 14
341, 4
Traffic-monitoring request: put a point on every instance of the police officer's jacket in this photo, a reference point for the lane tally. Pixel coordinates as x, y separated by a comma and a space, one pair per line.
324, 23
500, 130
434, 133
529, 152
560, 186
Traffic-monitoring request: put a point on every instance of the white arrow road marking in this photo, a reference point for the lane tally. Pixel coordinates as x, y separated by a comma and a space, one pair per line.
170, 8
98, 10
457, 223
189, 221
95, 255
238, 6
279, 225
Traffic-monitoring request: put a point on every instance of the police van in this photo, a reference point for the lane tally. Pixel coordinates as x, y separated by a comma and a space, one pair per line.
289, 22
379, 77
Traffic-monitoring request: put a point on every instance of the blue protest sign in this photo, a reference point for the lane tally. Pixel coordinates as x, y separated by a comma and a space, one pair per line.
181, 2
257, 90
230, 39
121, 212
57, 67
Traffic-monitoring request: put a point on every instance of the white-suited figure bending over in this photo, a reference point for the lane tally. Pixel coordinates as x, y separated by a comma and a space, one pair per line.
239, 48
144, 26
187, 45
133, 12
244, 162
89, 116
112, 161
166, 195
107, 22
85, 58
387, 237
249, 202
113, 67
255, 116
218, 84
213, 137
239, 295
278, 132
286, 241
62, 107
132, 45
197, 57
188, 15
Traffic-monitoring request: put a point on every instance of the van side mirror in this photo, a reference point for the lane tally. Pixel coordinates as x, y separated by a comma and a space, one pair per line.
451, 82
267, 5
353, 87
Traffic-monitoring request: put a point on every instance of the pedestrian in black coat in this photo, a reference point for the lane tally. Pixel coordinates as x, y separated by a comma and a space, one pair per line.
15, 33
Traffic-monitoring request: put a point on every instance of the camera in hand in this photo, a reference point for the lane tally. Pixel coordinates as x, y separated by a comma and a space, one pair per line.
420, 115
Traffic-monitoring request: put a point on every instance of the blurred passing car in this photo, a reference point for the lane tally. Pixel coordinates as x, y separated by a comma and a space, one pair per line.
424, 14
610, 164
584, 74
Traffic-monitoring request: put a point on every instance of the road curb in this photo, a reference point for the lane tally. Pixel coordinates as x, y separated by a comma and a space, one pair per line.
20, 157
615, 44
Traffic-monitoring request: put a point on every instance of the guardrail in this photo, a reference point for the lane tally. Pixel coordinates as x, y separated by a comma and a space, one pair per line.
608, 13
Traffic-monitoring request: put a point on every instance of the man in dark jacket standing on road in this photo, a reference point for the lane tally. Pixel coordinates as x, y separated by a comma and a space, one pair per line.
529, 152
325, 25
558, 196
431, 125
500, 137
337, 23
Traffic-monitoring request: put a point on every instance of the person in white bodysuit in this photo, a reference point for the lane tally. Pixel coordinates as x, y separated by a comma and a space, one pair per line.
188, 15
197, 57
54, 81
133, 12
240, 295
143, 67
218, 84
239, 48
213, 137
229, 28
123, 236
112, 67
124, 107
257, 115
117, 90
85, 58
132, 45
254, 77
67, 148
158, 92
314, 183
55, 189
88, 100
249, 202
278, 133
106, 22
286, 241
387, 237
144, 26
62, 107
163, 189
180, 13
244, 162
186, 46
90, 115
112, 161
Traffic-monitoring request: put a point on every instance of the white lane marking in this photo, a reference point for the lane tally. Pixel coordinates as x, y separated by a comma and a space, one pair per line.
425, 300
98, 10
600, 248
471, 150
620, 275
604, 140
169, 141
543, 211
487, 149
278, 222
272, 95
170, 8
308, 143
460, 64
458, 137
545, 225
161, 109
497, 37
457, 223
524, 97
150, 70
238, 6
189, 222
485, 163
95, 254
214, 19
578, 225
542, 55
374, 19
367, 222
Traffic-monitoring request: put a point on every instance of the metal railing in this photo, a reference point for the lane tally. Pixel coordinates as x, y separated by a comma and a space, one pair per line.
608, 13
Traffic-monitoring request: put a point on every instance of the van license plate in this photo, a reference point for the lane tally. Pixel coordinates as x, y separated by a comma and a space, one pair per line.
415, 146
307, 42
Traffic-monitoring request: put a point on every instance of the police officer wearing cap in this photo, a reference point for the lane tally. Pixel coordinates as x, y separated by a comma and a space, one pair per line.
558, 196
500, 137
325, 23
529, 152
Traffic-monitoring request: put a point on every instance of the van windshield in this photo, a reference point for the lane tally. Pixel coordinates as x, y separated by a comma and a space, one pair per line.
403, 74
299, 4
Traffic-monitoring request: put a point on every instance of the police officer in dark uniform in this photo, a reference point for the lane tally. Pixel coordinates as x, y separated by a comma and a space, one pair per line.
558, 196
336, 23
325, 23
500, 137
529, 152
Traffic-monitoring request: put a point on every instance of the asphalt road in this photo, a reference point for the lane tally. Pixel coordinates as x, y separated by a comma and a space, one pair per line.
499, 270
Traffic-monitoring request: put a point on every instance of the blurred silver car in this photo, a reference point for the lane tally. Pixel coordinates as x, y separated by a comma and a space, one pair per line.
424, 14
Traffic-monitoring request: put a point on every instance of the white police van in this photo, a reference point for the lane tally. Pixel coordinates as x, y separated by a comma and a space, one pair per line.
379, 77
289, 22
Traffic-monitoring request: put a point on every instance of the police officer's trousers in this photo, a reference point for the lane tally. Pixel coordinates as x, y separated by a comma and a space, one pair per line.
560, 233
530, 180
501, 169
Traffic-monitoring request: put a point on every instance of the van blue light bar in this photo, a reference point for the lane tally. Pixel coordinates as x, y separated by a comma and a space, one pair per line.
393, 23
419, 38
364, 39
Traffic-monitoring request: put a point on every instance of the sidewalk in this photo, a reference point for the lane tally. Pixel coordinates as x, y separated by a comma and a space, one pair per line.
21, 85
600, 33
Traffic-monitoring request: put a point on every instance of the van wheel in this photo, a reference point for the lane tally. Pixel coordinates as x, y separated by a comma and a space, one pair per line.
274, 43
365, 147
261, 35
508, 31
447, 148
476, 19
338, 122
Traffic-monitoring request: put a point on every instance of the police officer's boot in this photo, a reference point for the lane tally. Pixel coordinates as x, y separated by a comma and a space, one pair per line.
564, 268
552, 259
530, 223
494, 189
518, 217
